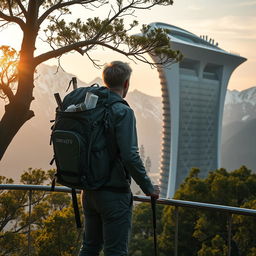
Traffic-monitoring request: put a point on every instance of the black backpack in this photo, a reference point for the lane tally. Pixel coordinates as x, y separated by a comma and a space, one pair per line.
84, 142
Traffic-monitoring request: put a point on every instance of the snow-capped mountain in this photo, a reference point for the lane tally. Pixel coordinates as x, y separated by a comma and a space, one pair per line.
30, 147
240, 106
245, 96
147, 106
238, 133
50, 80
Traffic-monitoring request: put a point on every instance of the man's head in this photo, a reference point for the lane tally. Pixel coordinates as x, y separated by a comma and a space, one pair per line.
116, 76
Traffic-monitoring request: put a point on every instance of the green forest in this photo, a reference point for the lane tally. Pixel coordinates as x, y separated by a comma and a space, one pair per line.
201, 232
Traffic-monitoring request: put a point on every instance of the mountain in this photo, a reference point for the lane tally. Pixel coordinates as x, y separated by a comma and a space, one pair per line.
30, 147
240, 148
148, 112
240, 106
238, 133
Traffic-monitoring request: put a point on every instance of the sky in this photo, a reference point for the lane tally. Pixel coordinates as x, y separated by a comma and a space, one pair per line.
232, 23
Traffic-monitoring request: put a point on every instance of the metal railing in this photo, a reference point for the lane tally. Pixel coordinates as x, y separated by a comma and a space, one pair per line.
172, 202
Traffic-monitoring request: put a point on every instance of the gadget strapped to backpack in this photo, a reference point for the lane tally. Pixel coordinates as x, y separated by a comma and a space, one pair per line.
84, 142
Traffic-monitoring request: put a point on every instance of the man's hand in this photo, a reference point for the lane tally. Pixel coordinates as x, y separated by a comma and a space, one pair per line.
156, 192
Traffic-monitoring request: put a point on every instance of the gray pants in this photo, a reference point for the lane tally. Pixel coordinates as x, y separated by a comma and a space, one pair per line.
107, 223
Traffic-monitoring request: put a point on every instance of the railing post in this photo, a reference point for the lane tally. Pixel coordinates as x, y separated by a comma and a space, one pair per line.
229, 232
176, 213
29, 221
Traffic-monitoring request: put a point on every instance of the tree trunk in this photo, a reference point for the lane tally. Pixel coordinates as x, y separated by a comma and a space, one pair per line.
16, 114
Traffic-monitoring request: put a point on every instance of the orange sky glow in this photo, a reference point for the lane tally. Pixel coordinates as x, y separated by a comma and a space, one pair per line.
231, 23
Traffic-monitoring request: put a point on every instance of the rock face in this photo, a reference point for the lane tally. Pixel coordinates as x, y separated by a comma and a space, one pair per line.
240, 145
240, 106
239, 127
30, 147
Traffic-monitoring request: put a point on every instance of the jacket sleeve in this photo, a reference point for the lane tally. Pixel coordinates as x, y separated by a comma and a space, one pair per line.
126, 137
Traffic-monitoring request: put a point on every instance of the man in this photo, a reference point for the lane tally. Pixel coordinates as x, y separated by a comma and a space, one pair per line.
108, 211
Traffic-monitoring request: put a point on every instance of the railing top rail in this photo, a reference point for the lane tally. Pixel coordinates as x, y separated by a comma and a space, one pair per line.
199, 205
34, 187
172, 202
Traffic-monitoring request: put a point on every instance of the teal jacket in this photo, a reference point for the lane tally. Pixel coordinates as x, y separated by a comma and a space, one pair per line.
128, 163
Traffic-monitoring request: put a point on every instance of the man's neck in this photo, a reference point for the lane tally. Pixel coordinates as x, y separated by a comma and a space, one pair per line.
117, 91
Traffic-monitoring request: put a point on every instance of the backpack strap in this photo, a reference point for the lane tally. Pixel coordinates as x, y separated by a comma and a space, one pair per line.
76, 209
110, 134
109, 128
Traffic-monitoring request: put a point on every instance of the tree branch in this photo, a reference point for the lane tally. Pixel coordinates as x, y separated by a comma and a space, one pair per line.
3, 25
14, 19
5, 87
93, 61
154, 3
10, 7
59, 5
95, 40
58, 52
117, 14
7, 91
22, 7
138, 54
115, 49
49, 11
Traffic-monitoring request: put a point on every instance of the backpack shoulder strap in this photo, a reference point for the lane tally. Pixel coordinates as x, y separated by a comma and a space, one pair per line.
119, 101
110, 130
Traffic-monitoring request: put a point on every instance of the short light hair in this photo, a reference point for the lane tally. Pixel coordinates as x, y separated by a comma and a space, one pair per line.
116, 73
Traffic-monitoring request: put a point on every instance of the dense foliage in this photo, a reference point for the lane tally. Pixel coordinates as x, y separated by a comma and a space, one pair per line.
201, 232
53, 229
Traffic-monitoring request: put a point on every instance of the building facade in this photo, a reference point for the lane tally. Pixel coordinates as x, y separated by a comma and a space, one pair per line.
193, 93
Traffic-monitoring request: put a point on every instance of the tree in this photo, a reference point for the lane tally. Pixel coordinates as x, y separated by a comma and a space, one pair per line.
58, 235
14, 217
8, 71
142, 241
54, 233
206, 231
11, 209
35, 17
53, 229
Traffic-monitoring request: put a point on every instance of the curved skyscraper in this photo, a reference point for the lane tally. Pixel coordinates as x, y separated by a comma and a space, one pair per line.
193, 94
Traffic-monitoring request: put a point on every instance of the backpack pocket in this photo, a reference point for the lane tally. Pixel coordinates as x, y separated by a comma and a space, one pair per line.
70, 154
100, 166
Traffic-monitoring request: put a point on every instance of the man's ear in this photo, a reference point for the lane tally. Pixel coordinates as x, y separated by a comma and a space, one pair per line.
126, 88
126, 84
